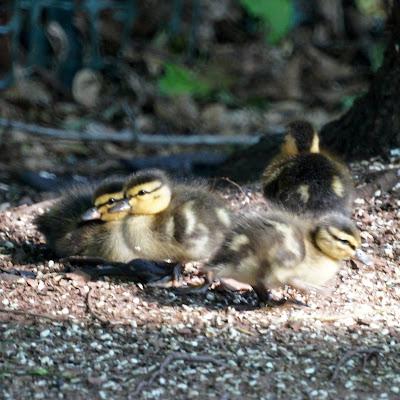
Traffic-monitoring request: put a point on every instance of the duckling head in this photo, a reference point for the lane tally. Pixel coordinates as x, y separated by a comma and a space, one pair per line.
146, 192
107, 194
337, 237
300, 137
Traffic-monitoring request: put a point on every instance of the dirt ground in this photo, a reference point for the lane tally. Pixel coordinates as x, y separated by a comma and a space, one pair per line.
64, 336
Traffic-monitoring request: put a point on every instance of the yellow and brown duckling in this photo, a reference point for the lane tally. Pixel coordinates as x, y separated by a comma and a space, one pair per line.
171, 221
274, 249
74, 227
304, 180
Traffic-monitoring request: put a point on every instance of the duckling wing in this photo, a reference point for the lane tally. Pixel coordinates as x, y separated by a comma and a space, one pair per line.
198, 221
312, 183
260, 251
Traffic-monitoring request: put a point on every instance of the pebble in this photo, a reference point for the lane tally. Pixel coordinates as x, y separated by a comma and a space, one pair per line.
310, 371
45, 333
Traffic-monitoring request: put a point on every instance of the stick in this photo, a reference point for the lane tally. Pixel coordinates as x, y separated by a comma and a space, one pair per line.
128, 136
29, 314
383, 181
237, 185
24, 209
368, 351
174, 357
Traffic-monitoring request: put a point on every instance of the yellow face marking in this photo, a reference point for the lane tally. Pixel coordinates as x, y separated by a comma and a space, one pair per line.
289, 146
103, 199
337, 244
315, 144
354, 241
239, 241
147, 187
337, 186
148, 198
304, 192
103, 204
223, 216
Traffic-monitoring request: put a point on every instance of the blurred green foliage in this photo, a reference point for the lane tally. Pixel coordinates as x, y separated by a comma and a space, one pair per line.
179, 80
376, 53
206, 81
371, 7
277, 15
348, 101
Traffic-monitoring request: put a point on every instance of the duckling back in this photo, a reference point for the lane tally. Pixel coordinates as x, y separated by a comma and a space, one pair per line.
258, 248
270, 250
58, 224
310, 183
191, 228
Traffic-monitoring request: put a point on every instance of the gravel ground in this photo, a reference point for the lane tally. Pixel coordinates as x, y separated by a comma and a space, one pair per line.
65, 337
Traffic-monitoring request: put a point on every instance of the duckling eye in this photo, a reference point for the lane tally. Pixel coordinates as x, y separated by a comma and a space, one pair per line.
346, 242
142, 193
111, 201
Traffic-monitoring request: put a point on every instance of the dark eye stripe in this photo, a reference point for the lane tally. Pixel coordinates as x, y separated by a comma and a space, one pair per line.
143, 192
345, 241
109, 201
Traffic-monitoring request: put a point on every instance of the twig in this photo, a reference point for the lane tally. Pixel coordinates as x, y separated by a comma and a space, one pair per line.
383, 181
29, 314
368, 352
24, 209
174, 357
92, 311
128, 136
237, 185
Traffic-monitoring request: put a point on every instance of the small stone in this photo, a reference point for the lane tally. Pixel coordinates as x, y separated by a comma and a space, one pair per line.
310, 371
45, 333
395, 389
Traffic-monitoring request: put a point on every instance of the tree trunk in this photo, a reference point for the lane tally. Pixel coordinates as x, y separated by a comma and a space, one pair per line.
372, 126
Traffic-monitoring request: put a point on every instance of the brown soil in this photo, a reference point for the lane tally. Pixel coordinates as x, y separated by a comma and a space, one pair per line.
63, 336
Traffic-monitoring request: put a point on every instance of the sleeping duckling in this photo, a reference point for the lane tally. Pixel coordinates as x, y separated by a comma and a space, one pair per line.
70, 227
304, 180
169, 220
274, 249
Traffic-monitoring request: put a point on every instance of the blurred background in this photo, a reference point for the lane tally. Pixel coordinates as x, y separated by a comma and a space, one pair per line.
93, 88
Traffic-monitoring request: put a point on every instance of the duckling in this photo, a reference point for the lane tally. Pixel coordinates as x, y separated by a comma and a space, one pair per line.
304, 180
74, 227
171, 221
274, 249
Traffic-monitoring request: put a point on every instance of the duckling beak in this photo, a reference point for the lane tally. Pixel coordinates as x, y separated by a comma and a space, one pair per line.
361, 256
91, 214
121, 205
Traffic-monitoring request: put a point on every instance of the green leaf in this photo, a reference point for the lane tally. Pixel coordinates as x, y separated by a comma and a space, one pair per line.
376, 54
178, 80
38, 371
348, 101
276, 14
